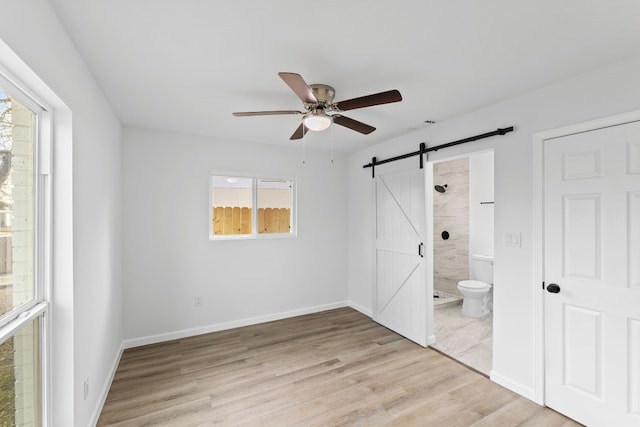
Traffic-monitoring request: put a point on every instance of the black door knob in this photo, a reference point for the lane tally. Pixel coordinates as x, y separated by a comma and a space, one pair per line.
553, 288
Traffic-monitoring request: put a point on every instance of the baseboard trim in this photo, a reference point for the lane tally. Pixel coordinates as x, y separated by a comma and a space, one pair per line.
105, 389
505, 382
361, 309
184, 333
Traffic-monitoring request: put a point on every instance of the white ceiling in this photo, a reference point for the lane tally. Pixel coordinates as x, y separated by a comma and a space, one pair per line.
186, 65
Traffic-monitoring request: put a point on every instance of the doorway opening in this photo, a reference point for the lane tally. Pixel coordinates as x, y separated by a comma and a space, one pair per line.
462, 206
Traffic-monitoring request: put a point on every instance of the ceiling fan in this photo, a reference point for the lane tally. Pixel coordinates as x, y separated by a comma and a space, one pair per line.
321, 111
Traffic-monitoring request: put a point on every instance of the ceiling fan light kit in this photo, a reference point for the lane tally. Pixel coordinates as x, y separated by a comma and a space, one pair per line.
319, 106
317, 120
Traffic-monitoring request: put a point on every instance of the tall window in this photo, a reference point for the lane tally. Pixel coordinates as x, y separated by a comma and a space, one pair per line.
22, 297
250, 207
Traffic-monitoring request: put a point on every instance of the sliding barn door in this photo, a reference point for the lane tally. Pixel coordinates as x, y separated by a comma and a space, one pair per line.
400, 278
592, 275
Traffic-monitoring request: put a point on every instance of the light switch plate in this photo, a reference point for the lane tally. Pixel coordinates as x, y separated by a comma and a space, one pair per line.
513, 239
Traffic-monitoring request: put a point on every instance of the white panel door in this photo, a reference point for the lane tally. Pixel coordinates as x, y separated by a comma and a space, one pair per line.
400, 280
592, 260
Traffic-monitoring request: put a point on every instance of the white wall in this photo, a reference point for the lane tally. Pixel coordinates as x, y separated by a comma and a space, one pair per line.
87, 289
481, 216
169, 259
606, 91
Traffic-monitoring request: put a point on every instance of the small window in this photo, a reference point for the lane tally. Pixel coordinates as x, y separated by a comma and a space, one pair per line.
233, 199
232, 206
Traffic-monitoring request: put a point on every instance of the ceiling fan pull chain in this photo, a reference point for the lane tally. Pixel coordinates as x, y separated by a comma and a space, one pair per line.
332, 141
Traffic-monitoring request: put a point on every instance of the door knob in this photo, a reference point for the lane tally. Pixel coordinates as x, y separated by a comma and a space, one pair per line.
553, 288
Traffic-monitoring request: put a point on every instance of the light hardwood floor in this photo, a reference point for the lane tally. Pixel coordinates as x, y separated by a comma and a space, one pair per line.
327, 369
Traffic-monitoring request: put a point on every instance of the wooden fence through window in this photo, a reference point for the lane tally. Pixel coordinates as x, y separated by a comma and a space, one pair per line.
236, 220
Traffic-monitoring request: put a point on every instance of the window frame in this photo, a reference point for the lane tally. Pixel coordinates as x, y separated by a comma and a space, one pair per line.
38, 308
254, 235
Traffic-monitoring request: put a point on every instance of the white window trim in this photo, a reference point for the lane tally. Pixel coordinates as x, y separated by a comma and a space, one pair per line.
254, 212
39, 306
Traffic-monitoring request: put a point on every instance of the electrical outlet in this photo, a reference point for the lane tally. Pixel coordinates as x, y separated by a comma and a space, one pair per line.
197, 302
86, 388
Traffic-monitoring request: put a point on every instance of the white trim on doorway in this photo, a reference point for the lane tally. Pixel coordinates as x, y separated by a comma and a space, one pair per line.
538, 229
428, 178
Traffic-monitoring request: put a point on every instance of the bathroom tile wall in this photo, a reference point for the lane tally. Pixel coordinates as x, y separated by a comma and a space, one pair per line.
451, 214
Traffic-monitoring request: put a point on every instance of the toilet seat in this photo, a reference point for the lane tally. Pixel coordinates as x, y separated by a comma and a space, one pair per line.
475, 285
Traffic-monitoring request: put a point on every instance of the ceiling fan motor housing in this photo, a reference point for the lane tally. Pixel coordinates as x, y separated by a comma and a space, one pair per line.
323, 93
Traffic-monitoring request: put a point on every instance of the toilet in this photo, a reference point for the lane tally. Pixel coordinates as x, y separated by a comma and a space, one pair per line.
476, 292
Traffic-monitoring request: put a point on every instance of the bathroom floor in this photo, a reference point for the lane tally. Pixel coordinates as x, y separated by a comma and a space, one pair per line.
466, 339
441, 297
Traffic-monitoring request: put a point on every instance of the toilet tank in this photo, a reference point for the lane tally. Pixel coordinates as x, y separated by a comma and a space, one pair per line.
481, 268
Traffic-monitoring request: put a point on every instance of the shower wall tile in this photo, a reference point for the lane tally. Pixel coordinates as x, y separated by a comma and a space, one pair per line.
451, 213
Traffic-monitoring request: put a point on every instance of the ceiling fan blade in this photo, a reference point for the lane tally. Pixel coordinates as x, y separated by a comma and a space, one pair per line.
370, 100
353, 124
266, 113
300, 132
298, 85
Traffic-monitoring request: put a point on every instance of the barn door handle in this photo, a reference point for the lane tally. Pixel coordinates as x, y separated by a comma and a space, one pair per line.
420, 247
553, 288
